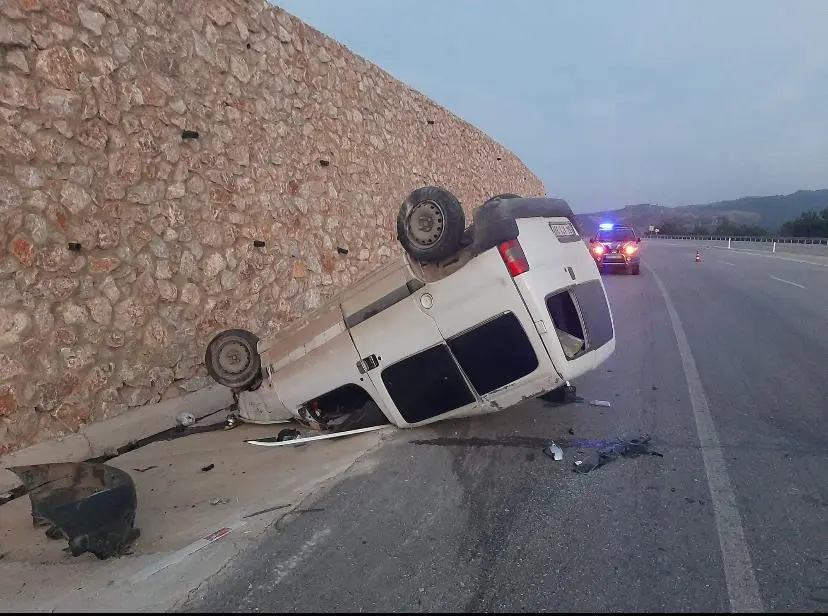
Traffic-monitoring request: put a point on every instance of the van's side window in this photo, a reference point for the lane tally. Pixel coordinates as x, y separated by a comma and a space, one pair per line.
427, 384
494, 353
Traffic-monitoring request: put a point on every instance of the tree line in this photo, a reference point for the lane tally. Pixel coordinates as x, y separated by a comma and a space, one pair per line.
808, 224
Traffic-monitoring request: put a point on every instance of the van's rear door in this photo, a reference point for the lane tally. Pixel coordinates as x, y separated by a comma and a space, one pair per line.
564, 293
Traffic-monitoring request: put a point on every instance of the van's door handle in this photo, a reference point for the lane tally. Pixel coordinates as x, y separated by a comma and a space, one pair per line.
367, 363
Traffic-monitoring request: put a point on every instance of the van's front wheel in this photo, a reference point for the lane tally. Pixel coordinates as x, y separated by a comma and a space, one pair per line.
232, 359
430, 224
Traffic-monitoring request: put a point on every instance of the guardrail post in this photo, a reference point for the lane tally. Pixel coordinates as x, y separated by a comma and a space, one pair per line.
774, 247
728, 243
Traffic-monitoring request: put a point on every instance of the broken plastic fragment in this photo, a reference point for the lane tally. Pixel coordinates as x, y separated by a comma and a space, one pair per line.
92, 505
599, 403
185, 420
553, 451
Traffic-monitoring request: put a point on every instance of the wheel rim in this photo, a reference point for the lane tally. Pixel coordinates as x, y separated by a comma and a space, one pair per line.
233, 357
426, 224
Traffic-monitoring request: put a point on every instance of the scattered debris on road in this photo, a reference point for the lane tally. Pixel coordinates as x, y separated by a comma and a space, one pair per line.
599, 403
209, 467
92, 505
268, 510
567, 394
144, 470
219, 501
609, 452
553, 451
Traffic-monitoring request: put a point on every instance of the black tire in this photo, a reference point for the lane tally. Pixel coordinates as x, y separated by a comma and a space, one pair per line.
233, 360
505, 196
368, 416
440, 222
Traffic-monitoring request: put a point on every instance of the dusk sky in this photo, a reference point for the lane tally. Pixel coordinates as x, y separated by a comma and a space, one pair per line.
614, 102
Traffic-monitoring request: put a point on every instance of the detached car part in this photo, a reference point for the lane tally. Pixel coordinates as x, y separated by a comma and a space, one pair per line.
91, 505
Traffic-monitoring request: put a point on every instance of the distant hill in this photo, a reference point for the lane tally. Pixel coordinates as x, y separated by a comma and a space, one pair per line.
766, 212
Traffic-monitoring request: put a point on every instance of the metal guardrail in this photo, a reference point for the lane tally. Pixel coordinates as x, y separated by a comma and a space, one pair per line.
822, 241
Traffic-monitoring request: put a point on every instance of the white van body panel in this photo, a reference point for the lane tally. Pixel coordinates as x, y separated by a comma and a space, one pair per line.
374, 333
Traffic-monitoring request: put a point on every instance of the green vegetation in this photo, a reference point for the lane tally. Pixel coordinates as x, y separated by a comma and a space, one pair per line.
809, 224
724, 227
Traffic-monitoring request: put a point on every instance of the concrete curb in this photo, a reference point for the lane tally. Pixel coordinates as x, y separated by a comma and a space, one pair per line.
107, 436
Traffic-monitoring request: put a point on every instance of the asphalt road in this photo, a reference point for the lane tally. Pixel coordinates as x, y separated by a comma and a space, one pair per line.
471, 516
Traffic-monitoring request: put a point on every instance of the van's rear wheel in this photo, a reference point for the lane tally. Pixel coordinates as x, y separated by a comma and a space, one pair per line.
233, 360
430, 224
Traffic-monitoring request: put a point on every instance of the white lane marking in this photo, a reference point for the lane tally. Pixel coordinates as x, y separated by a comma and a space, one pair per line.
746, 251
728, 263
796, 284
739, 576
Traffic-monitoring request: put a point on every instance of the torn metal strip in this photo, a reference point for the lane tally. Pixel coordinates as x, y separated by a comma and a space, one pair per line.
272, 442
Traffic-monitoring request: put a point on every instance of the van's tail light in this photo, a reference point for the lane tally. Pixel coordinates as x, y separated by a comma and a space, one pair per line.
630, 249
513, 257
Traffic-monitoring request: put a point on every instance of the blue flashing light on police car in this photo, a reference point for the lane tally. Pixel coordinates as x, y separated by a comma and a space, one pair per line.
616, 245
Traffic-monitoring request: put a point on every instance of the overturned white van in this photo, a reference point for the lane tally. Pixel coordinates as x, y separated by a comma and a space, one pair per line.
466, 322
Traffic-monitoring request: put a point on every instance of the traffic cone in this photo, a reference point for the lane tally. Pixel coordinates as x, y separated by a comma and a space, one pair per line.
698, 257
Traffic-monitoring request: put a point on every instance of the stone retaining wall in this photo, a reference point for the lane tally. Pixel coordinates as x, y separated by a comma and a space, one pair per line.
146, 145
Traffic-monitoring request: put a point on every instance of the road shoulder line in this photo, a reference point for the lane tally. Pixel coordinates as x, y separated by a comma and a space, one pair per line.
795, 284
739, 576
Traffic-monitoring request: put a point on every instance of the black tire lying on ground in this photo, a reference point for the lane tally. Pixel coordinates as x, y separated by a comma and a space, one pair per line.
233, 360
430, 224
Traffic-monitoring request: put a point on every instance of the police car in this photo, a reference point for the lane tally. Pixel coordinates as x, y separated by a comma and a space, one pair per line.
616, 246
